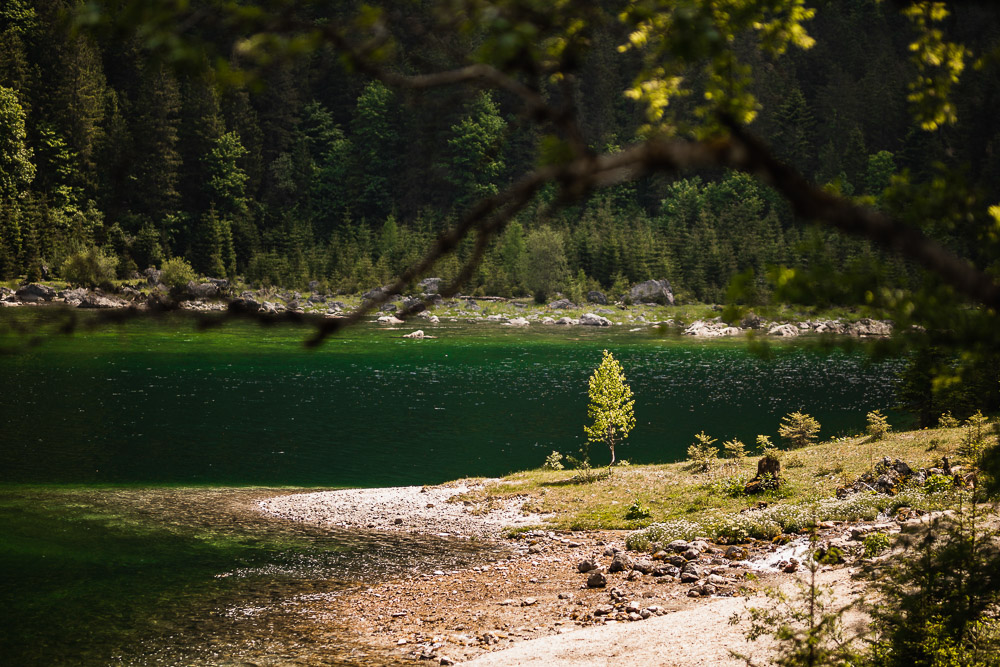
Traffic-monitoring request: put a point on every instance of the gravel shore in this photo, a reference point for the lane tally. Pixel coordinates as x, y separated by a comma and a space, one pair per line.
433, 510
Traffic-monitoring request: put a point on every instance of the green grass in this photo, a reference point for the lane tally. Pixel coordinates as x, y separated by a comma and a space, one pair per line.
675, 491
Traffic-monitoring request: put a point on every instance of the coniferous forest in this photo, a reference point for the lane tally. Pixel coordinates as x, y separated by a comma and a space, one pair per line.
308, 171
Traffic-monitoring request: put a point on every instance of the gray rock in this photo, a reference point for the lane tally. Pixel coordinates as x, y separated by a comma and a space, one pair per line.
561, 304
604, 610
666, 571
691, 554
567, 321
221, 283
590, 319
100, 301
203, 290
430, 285
373, 294
620, 563
652, 291
73, 297
586, 565
33, 293
643, 565
597, 580
678, 546
689, 577
597, 297
153, 276
317, 298
751, 321
736, 553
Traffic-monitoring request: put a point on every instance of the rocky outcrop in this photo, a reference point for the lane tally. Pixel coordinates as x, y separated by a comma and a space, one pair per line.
562, 304
712, 329
652, 291
869, 327
94, 300
430, 285
784, 330
597, 297
33, 293
592, 320
208, 290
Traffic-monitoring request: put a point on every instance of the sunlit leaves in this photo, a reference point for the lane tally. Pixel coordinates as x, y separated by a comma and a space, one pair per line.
939, 65
679, 38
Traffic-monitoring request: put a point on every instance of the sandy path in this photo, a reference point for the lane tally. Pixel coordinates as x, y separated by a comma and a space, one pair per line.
698, 635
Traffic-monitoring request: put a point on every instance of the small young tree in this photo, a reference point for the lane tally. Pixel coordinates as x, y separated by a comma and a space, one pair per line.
703, 453
878, 425
798, 429
610, 406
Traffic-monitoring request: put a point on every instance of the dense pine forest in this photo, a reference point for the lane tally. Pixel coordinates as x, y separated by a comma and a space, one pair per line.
307, 171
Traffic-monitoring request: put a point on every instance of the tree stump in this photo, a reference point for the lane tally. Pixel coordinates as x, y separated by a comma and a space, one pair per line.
768, 475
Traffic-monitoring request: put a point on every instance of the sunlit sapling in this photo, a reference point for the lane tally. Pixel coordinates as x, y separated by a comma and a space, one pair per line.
610, 408
735, 449
798, 429
878, 425
976, 439
703, 453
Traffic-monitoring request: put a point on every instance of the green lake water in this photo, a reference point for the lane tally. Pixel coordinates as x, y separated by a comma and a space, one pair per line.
108, 554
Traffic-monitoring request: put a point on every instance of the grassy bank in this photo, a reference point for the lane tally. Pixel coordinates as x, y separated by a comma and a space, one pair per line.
679, 495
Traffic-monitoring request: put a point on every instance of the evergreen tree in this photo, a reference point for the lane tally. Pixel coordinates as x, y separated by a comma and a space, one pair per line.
16, 167
475, 164
376, 140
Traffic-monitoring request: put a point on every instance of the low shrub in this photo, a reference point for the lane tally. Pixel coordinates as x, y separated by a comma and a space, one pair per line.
553, 462
875, 543
90, 268
176, 273
637, 511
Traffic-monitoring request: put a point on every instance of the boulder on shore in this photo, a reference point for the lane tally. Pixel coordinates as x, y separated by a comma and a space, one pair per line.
33, 293
590, 319
597, 297
653, 291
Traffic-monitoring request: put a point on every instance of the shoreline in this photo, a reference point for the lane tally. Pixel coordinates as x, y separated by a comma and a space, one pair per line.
700, 321
529, 602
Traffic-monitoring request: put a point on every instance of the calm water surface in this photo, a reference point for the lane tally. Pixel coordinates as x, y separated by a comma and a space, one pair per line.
108, 555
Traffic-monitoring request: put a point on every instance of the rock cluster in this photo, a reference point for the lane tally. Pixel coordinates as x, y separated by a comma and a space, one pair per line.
704, 568
715, 328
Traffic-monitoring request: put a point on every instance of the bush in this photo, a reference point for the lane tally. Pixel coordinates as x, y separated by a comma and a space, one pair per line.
975, 438
553, 462
735, 449
90, 268
636, 511
798, 429
875, 543
703, 453
176, 273
947, 420
878, 425
938, 484
733, 486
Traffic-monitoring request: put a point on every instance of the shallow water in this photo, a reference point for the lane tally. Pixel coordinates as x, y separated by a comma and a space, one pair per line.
131, 565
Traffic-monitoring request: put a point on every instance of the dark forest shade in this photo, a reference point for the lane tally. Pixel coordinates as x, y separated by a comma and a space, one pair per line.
320, 174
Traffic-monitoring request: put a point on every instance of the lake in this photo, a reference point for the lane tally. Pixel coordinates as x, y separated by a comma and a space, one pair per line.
129, 457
